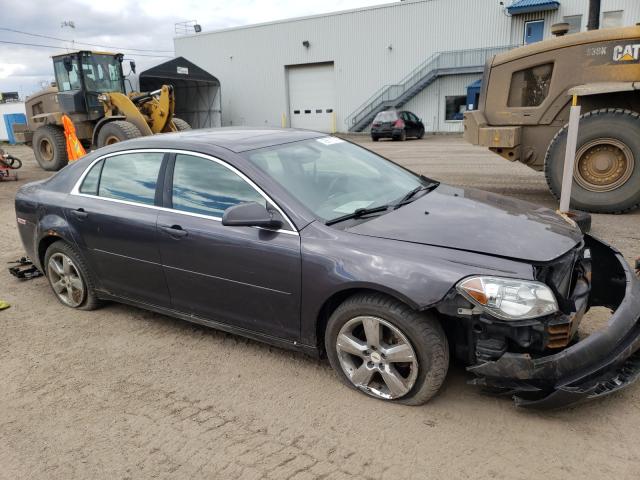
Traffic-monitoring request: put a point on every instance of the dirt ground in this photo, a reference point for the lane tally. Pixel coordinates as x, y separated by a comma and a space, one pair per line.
124, 393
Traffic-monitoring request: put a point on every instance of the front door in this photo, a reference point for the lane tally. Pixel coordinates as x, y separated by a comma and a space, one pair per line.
114, 224
533, 31
244, 276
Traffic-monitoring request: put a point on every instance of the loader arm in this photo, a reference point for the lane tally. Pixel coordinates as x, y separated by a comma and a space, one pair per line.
118, 104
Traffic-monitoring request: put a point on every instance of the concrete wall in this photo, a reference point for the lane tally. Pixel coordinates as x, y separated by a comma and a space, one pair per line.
13, 107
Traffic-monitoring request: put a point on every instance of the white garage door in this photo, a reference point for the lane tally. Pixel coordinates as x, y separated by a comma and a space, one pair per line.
312, 96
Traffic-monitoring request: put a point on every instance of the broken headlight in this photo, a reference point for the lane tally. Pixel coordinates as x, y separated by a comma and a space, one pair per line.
509, 299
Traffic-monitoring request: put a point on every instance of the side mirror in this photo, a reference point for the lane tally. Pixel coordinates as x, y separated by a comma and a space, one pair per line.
132, 64
68, 65
250, 214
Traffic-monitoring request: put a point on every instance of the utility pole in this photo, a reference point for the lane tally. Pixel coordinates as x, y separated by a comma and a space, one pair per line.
594, 15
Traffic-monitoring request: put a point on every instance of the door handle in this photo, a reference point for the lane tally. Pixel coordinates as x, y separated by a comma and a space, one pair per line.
174, 231
80, 213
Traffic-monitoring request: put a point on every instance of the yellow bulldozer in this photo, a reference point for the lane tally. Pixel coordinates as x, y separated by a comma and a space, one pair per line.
90, 89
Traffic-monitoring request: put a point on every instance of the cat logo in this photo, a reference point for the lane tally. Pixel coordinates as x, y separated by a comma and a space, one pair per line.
626, 53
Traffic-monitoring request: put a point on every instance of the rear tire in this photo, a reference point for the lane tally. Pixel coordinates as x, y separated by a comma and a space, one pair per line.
117, 131
69, 277
418, 333
180, 124
374, 138
607, 170
50, 147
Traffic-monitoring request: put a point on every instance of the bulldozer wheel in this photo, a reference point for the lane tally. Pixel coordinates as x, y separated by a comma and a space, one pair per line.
117, 131
181, 124
606, 175
50, 147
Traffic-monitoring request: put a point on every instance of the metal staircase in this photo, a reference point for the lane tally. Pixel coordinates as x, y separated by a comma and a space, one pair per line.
455, 62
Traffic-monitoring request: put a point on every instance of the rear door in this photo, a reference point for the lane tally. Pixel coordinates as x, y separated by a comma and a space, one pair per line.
243, 276
114, 223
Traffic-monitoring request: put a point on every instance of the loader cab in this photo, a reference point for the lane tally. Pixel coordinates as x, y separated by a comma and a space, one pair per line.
82, 76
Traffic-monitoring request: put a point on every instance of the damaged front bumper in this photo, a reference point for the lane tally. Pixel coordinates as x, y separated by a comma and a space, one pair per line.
602, 363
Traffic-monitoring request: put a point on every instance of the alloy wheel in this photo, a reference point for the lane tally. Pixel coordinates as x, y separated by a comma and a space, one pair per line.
377, 357
66, 280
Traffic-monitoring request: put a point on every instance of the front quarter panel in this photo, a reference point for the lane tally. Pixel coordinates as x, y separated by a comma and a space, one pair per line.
335, 261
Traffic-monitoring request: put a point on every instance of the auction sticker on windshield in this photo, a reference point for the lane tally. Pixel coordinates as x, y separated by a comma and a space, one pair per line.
329, 140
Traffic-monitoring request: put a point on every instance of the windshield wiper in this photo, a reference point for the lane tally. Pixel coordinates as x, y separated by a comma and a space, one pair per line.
421, 188
357, 213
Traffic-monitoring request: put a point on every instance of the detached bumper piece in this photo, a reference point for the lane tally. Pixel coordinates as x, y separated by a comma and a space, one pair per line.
602, 363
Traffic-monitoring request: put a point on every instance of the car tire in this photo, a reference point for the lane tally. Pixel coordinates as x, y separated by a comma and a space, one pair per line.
374, 138
69, 277
50, 147
418, 336
180, 124
117, 131
421, 134
614, 131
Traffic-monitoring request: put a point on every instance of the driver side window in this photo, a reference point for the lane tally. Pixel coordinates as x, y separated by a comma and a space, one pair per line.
208, 188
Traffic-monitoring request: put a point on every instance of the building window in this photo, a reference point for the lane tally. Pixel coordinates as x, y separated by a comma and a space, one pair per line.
530, 87
612, 19
455, 107
575, 23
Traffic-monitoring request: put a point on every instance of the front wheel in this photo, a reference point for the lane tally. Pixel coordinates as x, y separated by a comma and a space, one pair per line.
117, 131
385, 349
180, 124
606, 175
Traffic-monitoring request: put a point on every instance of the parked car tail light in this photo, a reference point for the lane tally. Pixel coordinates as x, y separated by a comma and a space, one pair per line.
376, 124
399, 123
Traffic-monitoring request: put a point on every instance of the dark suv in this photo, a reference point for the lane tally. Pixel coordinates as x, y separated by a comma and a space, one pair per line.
397, 125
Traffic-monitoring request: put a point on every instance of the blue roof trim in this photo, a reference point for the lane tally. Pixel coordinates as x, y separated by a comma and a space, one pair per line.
529, 6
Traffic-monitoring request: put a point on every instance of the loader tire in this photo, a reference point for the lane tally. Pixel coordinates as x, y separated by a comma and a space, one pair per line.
607, 171
180, 124
50, 147
117, 131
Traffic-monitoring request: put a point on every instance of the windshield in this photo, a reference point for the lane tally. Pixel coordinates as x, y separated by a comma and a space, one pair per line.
101, 73
388, 116
333, 178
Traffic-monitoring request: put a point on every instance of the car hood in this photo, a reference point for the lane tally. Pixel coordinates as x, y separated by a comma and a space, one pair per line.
477, 221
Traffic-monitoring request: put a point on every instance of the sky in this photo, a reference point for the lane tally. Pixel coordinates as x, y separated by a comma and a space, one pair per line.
124, 25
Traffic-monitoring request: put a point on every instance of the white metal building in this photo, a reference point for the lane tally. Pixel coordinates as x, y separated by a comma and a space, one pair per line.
332, 72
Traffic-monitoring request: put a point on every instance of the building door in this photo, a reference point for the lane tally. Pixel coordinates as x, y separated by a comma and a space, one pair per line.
533, 31
312, 96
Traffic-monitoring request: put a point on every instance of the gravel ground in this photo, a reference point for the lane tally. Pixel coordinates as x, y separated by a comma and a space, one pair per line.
124, 393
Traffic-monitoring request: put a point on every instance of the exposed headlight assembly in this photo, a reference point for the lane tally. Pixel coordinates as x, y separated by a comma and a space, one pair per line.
509, 299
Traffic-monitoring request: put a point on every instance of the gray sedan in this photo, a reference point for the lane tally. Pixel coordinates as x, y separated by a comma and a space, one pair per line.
310, 242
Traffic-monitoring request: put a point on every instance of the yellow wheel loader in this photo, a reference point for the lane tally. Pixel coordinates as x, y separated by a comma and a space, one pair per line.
524, 110
91, 91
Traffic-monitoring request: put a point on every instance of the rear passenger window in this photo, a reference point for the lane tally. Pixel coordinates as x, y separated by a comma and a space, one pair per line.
206, 187
132, 177
90, 182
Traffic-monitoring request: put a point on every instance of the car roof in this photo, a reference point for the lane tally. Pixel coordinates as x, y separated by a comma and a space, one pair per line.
236, 139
